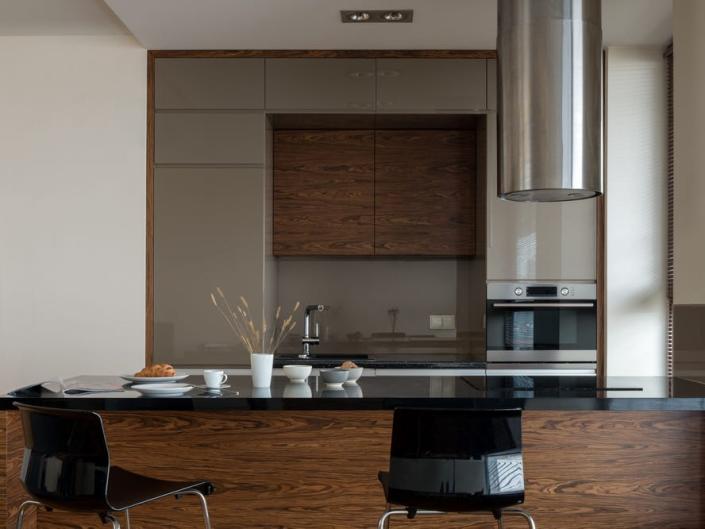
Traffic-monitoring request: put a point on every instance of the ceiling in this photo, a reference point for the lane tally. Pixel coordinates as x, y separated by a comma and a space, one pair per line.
305, 24
315, 24
58, 17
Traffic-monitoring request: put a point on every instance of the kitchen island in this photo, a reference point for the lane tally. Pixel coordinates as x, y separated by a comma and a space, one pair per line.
615, 453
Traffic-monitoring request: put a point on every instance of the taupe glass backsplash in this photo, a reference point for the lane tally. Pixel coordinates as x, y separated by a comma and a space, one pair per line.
383, 306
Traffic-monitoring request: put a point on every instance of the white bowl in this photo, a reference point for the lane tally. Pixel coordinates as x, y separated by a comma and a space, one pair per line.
335, 376
297, 373
353, 375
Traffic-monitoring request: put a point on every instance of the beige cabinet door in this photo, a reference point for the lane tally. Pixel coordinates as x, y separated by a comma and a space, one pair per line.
208, 232
345, 85
537, 241
431, 85
491, 84
190, 83
209, 137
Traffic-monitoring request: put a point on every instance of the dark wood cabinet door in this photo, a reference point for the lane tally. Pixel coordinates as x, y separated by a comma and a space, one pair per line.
425, 183
323, 192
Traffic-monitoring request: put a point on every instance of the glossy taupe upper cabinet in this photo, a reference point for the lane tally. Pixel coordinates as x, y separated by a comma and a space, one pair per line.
209, 137
345, 85
431, 85
492, 84
209, 83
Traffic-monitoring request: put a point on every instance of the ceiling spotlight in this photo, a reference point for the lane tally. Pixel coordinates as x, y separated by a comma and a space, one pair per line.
377, 15
359, 16
394, 16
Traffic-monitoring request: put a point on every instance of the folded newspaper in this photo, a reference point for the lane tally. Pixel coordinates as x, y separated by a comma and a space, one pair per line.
71, 387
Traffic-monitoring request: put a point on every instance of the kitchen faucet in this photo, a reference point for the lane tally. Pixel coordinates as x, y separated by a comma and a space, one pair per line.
308, 340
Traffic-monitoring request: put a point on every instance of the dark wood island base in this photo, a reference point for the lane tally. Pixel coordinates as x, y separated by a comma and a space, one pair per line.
318, 469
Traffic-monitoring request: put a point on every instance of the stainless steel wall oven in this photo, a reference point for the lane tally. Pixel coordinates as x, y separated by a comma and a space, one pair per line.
542, 326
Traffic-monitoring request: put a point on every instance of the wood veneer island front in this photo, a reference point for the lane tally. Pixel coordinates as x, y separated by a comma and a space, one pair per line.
591, 461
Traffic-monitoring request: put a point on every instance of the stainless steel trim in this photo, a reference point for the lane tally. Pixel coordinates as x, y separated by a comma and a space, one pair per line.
550, 111
542, 366
542, 372
538, 355
539, 305
541, 369
505, 290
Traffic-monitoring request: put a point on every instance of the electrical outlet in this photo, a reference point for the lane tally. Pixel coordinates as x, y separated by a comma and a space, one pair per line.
442, 322
449, 322
435, 322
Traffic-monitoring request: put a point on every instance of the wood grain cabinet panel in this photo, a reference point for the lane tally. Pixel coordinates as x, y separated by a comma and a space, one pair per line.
585, 469
425, 184
346, 85
323, 192
209, 83
431, 85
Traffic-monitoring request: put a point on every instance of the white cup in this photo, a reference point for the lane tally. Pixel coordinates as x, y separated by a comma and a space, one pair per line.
214, 378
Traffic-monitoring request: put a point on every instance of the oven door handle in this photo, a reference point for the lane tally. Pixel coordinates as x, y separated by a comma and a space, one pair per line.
543, 305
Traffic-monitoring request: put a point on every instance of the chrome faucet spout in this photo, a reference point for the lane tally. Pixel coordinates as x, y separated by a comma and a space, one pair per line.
310, 339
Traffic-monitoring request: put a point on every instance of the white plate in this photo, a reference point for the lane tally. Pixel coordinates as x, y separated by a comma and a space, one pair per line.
152, 380
162, 389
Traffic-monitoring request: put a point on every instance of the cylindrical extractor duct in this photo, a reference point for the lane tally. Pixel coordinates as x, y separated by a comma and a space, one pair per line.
550, 111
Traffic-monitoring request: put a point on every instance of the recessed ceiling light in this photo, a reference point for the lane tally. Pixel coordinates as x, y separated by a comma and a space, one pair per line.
377, 15
359, 16
393, 16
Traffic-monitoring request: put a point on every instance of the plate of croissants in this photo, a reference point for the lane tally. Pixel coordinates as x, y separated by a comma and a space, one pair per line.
154, 374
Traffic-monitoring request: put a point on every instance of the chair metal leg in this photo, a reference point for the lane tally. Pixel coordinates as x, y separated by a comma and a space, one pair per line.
500, 523
127, 518
23, 508
388, 513
515, 511
110, 518
204, 505
521, 512
389, 518
384, 519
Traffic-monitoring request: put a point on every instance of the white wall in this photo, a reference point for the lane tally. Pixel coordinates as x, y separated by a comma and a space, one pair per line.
72, 206
689, 154
635, 197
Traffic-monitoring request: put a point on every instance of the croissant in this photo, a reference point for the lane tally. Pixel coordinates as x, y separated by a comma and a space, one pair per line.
157, 370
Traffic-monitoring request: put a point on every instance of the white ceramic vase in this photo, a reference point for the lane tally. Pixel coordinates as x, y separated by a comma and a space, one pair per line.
261, 368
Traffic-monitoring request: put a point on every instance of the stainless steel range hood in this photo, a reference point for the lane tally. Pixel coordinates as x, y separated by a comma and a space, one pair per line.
550, 111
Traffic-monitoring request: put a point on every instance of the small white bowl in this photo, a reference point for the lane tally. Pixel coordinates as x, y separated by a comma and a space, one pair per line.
353, 375
334, 377
297, 373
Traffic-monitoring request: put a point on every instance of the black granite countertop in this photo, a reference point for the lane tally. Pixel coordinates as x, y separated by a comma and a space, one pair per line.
385, 361
386, 393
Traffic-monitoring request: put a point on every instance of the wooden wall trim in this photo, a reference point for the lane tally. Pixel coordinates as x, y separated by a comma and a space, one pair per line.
327, 54
600, 288
149, 284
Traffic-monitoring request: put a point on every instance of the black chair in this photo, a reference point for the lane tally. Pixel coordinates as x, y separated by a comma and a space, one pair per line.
455, 460
67, 466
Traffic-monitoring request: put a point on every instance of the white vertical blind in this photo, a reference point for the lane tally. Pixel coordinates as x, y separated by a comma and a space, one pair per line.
636, 212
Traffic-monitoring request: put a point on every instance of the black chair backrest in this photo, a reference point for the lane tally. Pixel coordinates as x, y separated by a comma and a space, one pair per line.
456, 459
66, 460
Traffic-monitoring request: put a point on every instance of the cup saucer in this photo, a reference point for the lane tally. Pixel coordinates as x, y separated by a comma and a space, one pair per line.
218, 388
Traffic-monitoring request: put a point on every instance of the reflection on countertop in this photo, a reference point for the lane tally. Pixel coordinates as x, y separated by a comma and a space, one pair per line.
380, 393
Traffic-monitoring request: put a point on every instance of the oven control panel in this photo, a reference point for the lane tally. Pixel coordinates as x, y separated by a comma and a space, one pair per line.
537, 291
